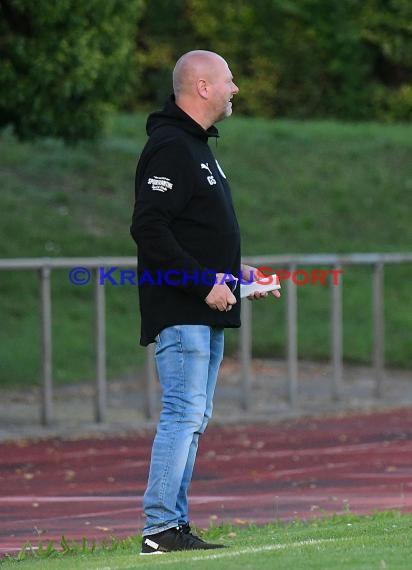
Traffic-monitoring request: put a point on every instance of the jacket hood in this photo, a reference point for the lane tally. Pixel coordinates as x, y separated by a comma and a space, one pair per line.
172, 115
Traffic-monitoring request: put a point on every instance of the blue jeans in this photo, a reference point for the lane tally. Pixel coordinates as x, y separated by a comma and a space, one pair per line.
187, 359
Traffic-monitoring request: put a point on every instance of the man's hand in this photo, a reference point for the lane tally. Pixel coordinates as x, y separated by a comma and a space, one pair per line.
247, 272
221, 297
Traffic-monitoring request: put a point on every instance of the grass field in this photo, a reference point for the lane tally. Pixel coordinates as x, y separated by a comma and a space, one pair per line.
298, 188
381, 541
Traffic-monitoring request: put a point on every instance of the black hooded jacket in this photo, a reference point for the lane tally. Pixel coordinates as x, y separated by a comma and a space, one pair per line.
184, 226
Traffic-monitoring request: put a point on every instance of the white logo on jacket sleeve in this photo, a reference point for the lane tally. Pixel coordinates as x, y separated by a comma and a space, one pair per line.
211, 178
160, 183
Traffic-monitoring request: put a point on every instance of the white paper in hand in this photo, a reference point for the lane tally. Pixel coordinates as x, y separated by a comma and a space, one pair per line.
266, 283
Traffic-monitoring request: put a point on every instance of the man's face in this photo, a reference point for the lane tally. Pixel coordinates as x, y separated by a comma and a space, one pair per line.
222, 89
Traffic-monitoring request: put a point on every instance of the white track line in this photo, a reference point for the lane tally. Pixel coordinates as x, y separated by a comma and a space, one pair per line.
233, 554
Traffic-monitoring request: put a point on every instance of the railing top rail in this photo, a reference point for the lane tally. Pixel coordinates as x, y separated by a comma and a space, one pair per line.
67, 262
329, 259
257, 260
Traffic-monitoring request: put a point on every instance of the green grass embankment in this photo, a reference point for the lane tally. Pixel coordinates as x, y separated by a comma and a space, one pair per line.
306, 187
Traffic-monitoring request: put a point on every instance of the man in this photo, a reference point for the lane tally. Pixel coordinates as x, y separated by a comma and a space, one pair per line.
188, 260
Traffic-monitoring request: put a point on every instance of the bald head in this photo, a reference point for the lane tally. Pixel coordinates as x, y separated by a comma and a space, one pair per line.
203, 86
192, 67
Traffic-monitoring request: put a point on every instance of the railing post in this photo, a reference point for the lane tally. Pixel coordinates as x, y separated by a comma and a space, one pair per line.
246, 353
336, 334
100, 349
151, 377
46, 344
292, 343
378, 327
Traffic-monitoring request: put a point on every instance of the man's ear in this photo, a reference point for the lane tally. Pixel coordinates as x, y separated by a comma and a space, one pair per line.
202, 88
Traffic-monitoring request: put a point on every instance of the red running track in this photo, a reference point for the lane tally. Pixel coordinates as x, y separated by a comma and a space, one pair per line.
301, 468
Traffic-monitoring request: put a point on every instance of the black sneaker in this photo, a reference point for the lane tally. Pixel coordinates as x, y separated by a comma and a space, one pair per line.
174, 539
185, 528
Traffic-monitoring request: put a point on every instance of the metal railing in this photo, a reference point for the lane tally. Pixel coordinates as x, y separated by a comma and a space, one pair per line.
377, 261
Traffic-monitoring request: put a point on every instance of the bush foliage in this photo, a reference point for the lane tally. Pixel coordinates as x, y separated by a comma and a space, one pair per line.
293, 58
63, 64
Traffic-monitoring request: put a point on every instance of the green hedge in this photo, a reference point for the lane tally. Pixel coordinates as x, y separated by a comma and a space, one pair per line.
297, 58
